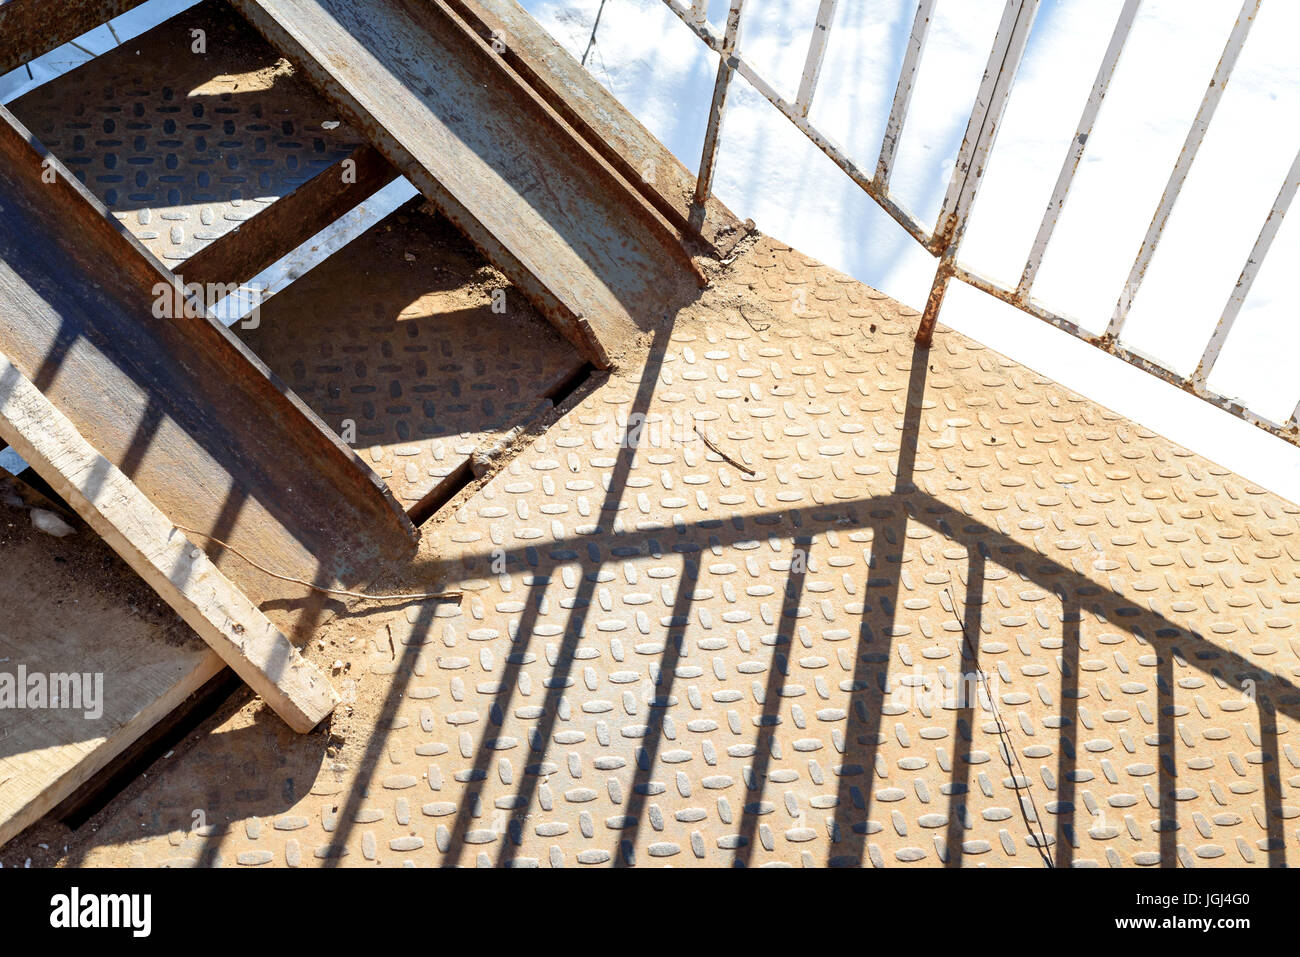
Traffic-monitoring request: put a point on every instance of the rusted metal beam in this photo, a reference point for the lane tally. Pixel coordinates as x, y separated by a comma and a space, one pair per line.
590, 253
171, 399
605, 124
291, 221
31, 28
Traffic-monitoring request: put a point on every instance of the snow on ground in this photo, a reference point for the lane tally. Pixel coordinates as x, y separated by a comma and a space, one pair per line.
769, 171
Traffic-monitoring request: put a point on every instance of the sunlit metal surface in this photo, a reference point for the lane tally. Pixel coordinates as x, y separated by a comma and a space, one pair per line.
943, 239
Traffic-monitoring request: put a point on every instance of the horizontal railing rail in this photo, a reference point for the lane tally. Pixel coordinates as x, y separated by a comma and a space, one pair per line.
944, 239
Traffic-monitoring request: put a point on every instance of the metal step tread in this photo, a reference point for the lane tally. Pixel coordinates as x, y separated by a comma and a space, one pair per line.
189, 131
395, 342
173, 400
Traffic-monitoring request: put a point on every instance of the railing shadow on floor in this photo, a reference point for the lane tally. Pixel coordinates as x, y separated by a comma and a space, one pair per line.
886, 517
889, 516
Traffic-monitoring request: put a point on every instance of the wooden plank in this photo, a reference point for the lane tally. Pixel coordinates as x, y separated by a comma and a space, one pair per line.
61, 597
174, 567
290, 221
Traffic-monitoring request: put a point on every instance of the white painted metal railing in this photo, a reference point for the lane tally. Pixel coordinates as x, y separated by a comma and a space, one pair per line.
944, 240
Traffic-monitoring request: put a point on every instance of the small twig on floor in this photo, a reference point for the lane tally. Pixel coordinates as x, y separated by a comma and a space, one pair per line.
725, 457
1006, 749
417, 596
762, 327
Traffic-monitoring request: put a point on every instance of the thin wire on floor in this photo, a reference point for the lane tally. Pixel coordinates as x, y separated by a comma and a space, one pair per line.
1009, 753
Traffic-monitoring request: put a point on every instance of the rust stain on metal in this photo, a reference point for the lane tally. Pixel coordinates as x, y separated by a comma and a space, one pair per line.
197, 153
604, 123
495, 158
31, 28
172, 399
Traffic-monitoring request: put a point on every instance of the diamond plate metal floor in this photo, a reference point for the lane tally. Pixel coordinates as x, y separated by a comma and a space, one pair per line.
957, 615
183, 143
409, 335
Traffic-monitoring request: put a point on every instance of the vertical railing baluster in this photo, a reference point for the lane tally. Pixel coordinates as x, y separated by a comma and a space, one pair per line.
1077, 145
1195, 136
903, 94
709, 157
816, 53
981, 132
944, 240
1241, 290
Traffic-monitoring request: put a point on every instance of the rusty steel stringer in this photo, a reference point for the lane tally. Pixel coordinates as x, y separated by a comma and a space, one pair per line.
194, 420
172, 399
592, 254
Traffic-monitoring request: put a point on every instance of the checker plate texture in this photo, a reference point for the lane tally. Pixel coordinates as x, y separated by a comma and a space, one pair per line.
184, 146
398, 335
664, 660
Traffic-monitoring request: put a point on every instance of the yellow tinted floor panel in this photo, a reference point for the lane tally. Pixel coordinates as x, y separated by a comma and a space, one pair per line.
958, 615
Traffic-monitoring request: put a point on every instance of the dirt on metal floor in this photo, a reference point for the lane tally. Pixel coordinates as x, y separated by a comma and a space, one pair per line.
74, 609
795, 593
